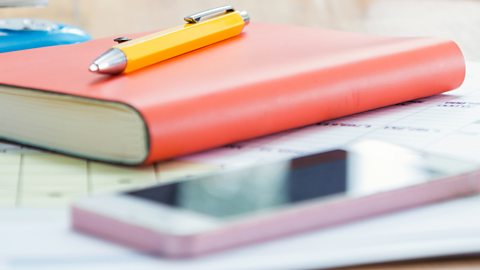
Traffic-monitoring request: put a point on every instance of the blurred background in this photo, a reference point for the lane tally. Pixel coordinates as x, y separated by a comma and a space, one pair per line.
455, 19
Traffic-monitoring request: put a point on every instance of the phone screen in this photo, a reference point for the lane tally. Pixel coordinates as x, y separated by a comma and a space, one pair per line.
367, 168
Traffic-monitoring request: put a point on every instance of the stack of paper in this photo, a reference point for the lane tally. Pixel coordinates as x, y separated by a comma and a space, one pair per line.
448, 124
41, 239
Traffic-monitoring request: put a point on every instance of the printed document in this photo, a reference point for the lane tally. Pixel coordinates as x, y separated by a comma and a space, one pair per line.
37, 187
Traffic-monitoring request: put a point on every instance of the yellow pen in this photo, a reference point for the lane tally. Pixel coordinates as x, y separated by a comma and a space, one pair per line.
202, 29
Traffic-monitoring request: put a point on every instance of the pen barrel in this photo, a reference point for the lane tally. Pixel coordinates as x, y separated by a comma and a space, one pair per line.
163, 45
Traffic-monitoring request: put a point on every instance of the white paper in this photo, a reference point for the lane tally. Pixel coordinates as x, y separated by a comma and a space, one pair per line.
448, 124
41, 239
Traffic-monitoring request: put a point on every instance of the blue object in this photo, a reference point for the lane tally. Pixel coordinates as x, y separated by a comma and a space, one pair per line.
21, 34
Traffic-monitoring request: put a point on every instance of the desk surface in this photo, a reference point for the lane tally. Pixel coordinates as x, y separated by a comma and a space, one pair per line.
455, 19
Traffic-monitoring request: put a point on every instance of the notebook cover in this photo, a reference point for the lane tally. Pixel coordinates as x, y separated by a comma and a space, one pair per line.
270, 78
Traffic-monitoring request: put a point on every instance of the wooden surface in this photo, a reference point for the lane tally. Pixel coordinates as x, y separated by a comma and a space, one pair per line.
455, 19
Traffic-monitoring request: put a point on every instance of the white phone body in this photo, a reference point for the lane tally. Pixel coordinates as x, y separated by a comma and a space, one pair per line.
218, 211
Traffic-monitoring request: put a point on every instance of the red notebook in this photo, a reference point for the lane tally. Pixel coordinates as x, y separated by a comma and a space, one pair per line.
270, 78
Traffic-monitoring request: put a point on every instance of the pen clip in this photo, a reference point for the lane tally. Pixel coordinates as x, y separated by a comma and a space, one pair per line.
197, 17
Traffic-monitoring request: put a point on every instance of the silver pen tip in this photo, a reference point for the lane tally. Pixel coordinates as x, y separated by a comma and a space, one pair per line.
93, 68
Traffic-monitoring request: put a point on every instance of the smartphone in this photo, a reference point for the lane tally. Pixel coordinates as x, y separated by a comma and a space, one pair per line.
213, 212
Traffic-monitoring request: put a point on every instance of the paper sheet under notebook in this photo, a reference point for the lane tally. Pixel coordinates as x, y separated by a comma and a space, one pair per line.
448, 124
